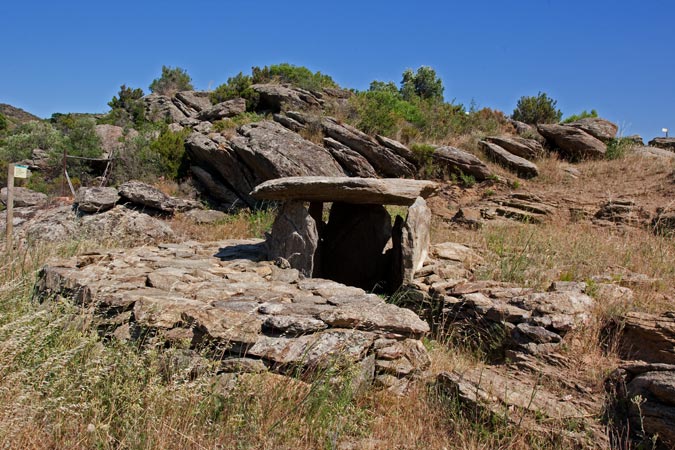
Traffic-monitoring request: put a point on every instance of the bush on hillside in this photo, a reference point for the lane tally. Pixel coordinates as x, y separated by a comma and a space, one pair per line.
539, 109
385, 112
238, 86
4, 124
127, 108
298, 76
582, 115
37, 134
171, 81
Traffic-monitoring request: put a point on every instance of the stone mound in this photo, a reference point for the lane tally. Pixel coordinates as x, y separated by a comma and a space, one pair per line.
248, 313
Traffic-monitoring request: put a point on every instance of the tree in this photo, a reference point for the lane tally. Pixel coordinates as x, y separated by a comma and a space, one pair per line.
539, 109
236, 86
424, 84
3, 123
127, 107
172, 80
381, 86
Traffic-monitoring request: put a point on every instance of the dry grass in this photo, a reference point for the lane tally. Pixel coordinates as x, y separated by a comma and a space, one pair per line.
242, 225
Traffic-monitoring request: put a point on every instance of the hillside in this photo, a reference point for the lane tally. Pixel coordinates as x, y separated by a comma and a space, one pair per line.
282, 262
16, 116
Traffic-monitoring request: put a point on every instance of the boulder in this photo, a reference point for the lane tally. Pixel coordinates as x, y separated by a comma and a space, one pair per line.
160, 108
125, 225
346, 190
415, 239
112, 138
272, 151
206, 216
635, 139
653, 152
215, 188
192, 102
352, 162
525, 148
214, 153
646, 392
667, 143
398, 148
521, 166
277, 97
24, 197
459, 161
649, 337
601, 129
145, 195
386, 162
664, 221
573, 142
294, 237
229, 108
96, 199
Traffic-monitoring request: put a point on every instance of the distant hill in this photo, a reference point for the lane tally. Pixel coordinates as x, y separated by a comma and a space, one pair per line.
16, 116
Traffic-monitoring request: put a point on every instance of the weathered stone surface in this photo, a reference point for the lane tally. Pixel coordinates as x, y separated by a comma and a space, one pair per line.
112, 138
649, 337
24, 197
96, 199
525, 148
294, 237
229, 108
219, 296
398, 148
572, 142
666, 143
415, 239
456, 160
271, 151
521, 166
664, 221
215, 153
159, 108
208, 216
214, 188
281, 98
597, 127
352, 162
646, 391
193, 101
654, 152
622, 211
346, 190
293, 325
353, 243
376, 316
126, 225
146, 195
386, 162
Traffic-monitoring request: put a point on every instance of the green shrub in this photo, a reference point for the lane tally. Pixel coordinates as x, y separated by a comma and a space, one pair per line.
582, 115
539, 109
424, 154
617, 148
238, 86
4, 123
127, 108
232, 123
171, 81
170, 148
385, 112
298, 76
37, 134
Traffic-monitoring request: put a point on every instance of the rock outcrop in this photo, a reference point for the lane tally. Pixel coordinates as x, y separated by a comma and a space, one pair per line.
521, 166
573, 143
601, 129
96, 199
229, 108
24, 197
666, 143
525, 148
458, 161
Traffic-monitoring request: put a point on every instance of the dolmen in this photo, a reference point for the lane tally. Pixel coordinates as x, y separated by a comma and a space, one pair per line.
358, 245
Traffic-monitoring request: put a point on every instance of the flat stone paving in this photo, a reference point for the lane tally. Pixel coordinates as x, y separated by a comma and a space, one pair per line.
226, 297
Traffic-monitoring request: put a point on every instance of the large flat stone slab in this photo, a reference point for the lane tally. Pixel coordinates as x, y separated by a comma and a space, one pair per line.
388, 191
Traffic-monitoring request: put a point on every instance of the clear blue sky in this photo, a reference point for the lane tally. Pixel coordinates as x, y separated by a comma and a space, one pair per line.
616, 56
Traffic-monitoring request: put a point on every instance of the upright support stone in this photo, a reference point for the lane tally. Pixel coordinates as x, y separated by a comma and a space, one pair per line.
294, 237
415, 238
